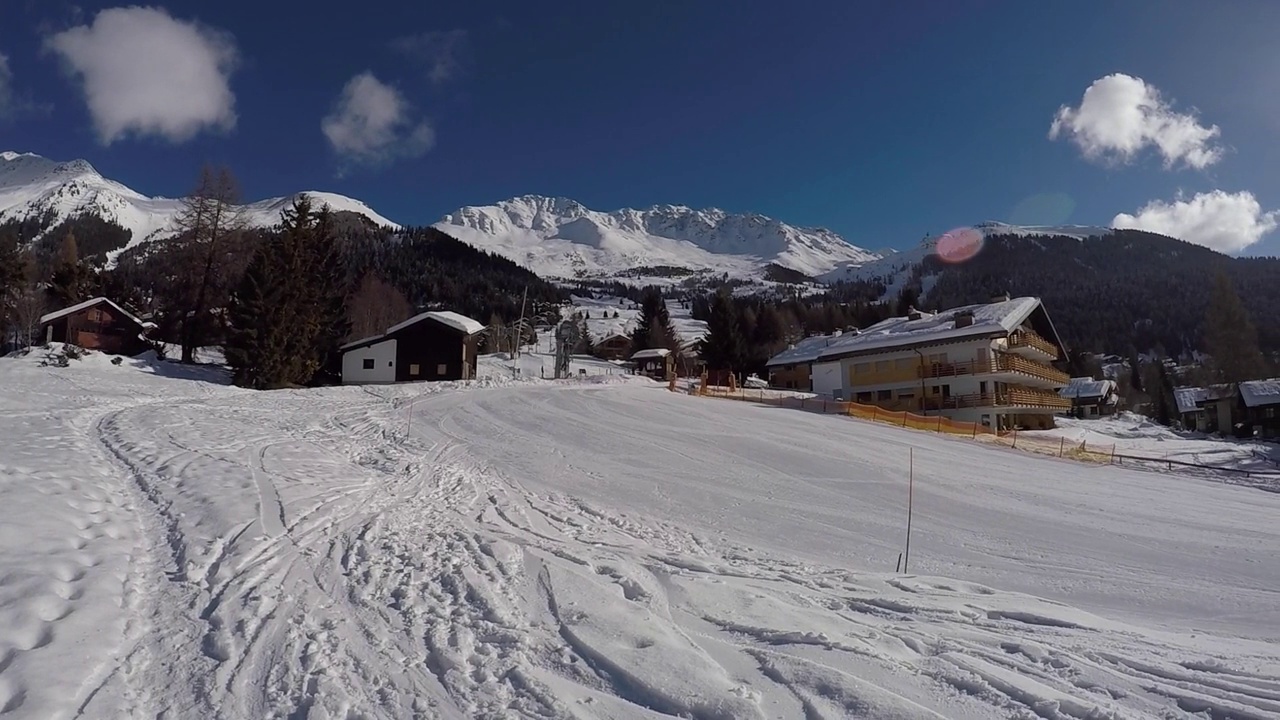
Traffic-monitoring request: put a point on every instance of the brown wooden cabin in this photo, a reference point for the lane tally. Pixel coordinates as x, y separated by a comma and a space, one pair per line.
97, 324
436, 345
614, 347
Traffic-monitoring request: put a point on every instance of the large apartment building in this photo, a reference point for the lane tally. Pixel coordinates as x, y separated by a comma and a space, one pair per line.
989, 363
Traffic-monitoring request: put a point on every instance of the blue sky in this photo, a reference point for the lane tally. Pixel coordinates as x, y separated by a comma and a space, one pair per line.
881, 120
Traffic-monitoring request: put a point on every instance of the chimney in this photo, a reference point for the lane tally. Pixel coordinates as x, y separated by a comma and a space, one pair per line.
964, 318
1002, 297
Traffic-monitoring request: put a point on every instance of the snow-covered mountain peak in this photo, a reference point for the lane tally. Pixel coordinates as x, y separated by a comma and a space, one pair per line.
561, 238
32, 186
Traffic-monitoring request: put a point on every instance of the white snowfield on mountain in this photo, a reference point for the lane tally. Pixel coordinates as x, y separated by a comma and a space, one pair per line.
31, 185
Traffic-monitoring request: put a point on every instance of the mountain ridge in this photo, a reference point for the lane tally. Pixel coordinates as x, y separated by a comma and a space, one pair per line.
561, 238
32, 185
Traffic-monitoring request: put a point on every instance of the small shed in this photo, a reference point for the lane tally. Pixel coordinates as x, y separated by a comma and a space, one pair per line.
435, 345
97, 324
1091, 398
657, 363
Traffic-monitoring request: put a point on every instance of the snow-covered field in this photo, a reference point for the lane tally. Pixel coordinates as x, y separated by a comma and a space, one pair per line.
173, 547
1142, 437
601, 322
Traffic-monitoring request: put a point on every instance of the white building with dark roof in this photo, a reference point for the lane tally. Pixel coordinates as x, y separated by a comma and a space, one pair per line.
987, 363
1091, 398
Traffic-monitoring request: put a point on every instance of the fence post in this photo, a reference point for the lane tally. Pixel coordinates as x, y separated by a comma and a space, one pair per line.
1113, 454
1015, 438
904, 418
1062, 445
873, 412
975, 429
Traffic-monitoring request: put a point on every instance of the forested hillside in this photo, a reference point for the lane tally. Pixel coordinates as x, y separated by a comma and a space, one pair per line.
1106, 294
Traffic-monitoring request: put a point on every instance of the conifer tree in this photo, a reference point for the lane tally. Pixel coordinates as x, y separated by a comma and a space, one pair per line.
66, 286
13, 276
1230, 337
654, 329
724, 347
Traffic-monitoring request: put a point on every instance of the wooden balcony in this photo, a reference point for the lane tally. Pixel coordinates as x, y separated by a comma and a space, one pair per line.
1011, 398
1027, 340
1001, 363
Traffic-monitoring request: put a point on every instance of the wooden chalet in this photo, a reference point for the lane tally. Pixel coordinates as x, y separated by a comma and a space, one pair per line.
1091, 398
614, 347
97, 324
435, 345
1260, 407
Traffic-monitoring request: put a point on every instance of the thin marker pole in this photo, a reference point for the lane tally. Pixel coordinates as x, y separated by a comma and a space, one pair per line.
911, 484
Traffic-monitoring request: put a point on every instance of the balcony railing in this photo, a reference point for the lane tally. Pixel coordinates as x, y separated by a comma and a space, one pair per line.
1026, 338
1013, 397
1001, 363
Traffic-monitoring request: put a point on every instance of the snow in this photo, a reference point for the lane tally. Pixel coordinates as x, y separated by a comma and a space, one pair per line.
1087, 387
601, 323
50, 317
31, 184
1136, 435
1260, 392
172, 546
461, 323
560, 238
1079, 232
650, 353
988, 319
1188, 398
806, 350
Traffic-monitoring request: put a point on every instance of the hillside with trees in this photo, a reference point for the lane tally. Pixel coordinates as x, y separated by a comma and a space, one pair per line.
1105, 294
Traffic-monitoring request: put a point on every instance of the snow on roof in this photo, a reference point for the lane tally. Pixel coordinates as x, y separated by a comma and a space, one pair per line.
1188, 398
458, 322
90, 303
988, 319
1087, 387
650, 353
361, 341
1260, 392
806, 350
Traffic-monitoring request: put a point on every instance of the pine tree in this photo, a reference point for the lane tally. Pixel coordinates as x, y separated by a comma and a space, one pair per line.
724, 347
66, 286
1135, 370
654, 329
288, 316
1230, 337
13, 275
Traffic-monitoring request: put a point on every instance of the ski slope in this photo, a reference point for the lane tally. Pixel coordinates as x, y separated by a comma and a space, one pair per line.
171, 546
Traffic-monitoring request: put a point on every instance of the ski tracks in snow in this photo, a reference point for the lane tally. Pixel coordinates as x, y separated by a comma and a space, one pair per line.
303, 555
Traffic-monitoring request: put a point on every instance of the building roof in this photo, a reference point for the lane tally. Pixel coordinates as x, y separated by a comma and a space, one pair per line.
804, 351
1087, 387
453, 320
1189, 398
614, 336
1256, 393
50, 317
650, 353
998, 318
461, 323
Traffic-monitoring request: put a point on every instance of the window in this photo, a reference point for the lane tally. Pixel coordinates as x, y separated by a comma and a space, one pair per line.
864, 397
862, 368
905, 364
906, 395
442, 369
884, 395
883, 365
368, 363
414, 370
1269, 413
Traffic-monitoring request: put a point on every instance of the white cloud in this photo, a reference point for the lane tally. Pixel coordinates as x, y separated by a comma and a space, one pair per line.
147, 73
372, 124
1226, 222
441, 52
1120, 115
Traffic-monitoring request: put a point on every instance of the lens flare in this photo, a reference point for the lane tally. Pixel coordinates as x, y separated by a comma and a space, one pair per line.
959, 245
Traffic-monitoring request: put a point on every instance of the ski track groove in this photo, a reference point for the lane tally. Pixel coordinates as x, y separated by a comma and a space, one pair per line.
433, 540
